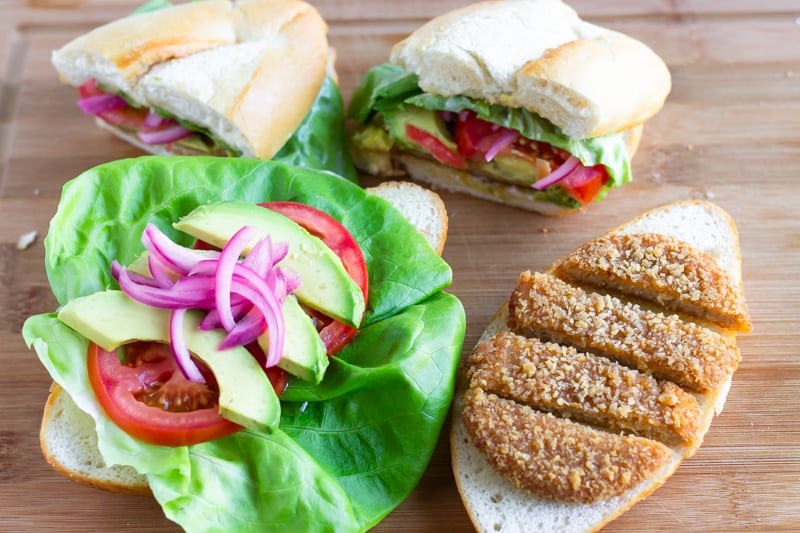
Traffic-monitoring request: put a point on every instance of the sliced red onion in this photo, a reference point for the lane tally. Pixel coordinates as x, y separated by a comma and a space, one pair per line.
228, 259
246, 330
244, 297
260, 258
239, 306
154, 120
160, 271
138, 279
502, 141
179, 258
166, 135
558, 174
463, 115
270, 309
92, 105
179, 348
447, 116
181, 294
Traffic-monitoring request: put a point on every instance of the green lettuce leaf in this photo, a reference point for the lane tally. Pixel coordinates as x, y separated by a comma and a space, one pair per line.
320, 141
348, 450
387, 87
103, 212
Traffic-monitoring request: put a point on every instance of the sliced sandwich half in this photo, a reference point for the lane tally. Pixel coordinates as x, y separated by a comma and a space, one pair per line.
602, 374
517, 101
210, 77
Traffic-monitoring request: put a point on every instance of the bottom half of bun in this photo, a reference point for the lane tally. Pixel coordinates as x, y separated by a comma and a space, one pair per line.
494, 504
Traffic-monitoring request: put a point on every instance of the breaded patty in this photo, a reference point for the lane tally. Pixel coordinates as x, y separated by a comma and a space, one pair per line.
660, 269
665, 346
583, 387
556, 458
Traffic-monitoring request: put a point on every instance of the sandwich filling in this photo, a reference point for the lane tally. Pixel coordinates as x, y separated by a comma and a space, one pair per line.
513, 146
154, 127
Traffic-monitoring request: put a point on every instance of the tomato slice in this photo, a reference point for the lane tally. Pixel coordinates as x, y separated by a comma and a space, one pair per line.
469, 132
148, 397
335, 335
435, 147
586, 188
89, 88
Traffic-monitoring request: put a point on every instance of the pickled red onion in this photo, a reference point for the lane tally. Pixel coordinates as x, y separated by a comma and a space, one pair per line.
558, 174
93, 105
243, 296
172, 133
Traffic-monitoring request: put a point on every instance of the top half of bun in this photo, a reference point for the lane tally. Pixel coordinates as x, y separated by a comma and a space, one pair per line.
122, 51
538, 54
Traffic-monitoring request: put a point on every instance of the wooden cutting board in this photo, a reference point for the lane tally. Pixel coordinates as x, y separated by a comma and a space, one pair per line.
730, 132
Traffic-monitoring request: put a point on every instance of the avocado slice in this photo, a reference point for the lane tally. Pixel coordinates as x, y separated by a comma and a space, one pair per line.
424, 119
304, 353
325, 284
110, 319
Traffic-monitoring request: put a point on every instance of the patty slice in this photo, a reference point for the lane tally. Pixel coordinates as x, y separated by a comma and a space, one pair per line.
556, 458
584, 387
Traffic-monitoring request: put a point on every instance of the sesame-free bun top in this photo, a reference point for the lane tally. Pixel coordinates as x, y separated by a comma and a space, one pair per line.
248, 71
539, 55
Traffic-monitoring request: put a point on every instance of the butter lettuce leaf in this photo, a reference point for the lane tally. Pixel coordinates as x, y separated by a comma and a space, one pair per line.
349, 449
320, 141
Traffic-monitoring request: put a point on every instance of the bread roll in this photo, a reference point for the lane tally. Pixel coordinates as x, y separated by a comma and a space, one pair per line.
538, 54
496, 503
247, 72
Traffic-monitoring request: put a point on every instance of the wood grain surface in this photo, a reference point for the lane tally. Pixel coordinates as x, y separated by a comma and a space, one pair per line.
730, 131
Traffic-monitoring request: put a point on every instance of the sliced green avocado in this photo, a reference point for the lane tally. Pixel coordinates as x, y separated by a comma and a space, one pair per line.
424, 119
111, 318
325, 284
304, 353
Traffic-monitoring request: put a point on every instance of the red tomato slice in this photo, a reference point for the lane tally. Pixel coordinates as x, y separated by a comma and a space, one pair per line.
469, 132
125, 116
148, 397
89, 88
585, 189
437, 148
334, 334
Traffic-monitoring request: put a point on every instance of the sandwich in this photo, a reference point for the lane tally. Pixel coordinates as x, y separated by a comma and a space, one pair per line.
249, 78
321, 415
518, 101
599, 376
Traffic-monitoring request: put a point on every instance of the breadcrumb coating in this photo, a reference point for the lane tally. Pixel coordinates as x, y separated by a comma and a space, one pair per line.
556, 458
660, 269
583, 387
665, 346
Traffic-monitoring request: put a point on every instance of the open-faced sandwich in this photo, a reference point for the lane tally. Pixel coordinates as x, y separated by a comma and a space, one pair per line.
260, 346
251, 78
601, 374
516, 101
